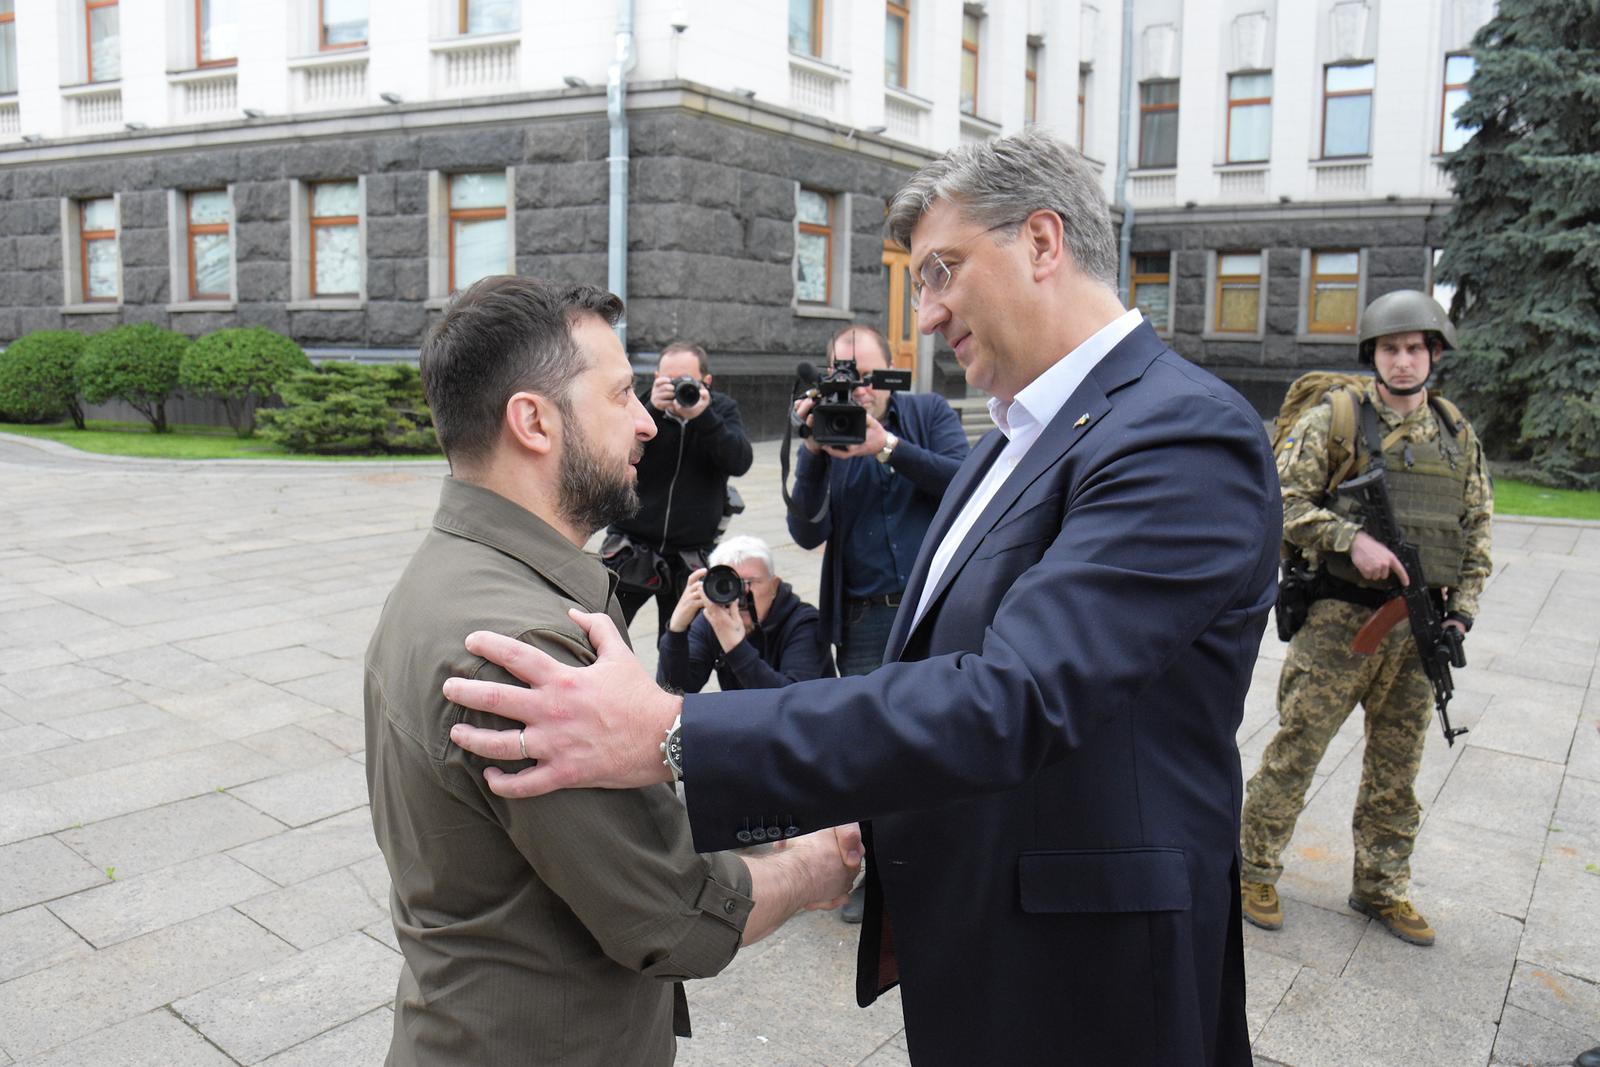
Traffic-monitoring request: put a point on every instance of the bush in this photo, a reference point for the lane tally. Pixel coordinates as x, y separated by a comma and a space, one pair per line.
39, 377
342, 408
241, 367
138, 364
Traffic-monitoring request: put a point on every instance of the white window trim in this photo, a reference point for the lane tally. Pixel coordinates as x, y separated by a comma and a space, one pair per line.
300, 298
178, 254
838, 265
72, 280
439, 231
1302, 330
1210, 332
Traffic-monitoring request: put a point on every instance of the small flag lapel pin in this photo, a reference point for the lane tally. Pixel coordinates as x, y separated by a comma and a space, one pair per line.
1082, 419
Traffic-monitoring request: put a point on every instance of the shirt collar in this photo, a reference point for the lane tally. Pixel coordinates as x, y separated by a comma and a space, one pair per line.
1038, 402
482, 515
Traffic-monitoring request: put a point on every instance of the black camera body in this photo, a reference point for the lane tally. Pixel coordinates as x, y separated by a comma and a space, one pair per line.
836, 419
686, 391
723, 585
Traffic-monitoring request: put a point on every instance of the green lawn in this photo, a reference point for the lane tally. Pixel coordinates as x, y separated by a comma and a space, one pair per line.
1522, 498
184, 442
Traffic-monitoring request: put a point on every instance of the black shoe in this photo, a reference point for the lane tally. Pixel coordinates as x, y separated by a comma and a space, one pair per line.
1588, 1059
851, 912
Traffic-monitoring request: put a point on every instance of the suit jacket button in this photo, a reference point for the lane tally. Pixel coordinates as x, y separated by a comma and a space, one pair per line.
743, 837
791, 831
758, 834
773, 833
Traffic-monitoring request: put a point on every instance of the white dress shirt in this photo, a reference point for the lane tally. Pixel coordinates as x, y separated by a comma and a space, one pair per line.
1022, 421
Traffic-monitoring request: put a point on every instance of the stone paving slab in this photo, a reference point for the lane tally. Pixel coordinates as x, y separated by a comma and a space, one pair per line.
169, 834
155, 1039
142, 904
362, 1040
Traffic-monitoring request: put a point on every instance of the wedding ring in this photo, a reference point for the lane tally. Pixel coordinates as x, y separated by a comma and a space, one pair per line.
522, 741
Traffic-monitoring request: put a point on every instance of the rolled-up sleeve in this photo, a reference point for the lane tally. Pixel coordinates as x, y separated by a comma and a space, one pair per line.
621, 860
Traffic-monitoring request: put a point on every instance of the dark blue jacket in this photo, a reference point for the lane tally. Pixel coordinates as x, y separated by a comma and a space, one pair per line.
1047, 758
932, 446
786, 648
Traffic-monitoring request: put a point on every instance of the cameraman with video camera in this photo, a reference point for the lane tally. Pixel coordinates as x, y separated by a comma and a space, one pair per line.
683, 484
741, 620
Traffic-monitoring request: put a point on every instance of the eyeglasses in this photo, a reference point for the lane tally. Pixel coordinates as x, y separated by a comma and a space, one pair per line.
936, 274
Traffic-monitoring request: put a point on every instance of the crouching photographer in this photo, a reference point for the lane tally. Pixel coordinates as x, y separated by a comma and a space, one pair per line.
739, 619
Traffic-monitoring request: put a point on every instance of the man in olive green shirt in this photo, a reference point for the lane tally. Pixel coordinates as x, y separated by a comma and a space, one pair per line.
558, 931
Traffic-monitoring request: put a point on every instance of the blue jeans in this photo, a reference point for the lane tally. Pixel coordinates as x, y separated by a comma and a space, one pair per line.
866, 635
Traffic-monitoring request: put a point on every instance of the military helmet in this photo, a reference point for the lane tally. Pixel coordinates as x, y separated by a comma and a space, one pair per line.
1402, 312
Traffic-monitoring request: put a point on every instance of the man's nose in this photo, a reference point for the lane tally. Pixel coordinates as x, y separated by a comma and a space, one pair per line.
644, 427
931, 312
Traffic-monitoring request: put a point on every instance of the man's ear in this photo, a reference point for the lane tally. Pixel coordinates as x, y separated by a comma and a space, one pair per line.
532, 422
1046, 243
706, 381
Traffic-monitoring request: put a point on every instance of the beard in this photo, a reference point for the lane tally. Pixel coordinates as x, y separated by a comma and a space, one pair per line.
593, 494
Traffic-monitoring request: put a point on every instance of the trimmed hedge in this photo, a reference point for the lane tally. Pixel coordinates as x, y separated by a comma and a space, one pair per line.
348, 408
39, 377
138, 364
241, 367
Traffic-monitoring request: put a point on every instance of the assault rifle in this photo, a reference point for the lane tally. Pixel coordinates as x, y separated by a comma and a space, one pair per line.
1438, 645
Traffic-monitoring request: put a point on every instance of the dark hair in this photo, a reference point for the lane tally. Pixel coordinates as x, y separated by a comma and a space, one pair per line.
861, 327
500, 336
687, 346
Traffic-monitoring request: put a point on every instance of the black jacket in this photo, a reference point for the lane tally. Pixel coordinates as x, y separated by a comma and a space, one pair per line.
787, 647
683, 477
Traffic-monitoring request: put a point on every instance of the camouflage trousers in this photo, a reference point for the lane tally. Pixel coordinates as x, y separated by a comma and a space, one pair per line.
1321, 683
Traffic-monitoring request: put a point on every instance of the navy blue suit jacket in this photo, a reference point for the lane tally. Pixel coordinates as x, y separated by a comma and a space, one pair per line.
1047, 758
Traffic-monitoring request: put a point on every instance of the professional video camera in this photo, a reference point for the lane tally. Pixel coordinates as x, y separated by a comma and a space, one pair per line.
685, 391
836, 418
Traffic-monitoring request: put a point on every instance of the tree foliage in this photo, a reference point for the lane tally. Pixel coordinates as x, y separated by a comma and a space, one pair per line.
241, 367
1523, 246
39, 377
343, 408
137, 364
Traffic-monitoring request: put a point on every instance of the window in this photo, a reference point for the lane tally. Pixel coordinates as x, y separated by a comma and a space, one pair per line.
813, 247
488, 16
1347, 110
1443, 292
480, 243
210, 249
8, 47
969, 64
805, 27
341, 24
1158, 124
1334, 292
104, 40
1249, 118
1084, 70
1030, 86
99, 266
334, 243
1457, 72
896, 41
1238, 293
1152, 289
216, 33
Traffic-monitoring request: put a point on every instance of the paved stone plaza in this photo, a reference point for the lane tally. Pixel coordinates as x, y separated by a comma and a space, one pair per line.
188, 874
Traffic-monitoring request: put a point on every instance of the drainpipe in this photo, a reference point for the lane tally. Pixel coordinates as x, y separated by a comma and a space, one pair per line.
616, 111
1124, 150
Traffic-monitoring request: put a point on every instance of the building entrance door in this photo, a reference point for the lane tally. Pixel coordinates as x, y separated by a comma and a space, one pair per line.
902, 324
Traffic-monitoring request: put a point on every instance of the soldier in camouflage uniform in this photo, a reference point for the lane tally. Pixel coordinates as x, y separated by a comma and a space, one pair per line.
1443, 498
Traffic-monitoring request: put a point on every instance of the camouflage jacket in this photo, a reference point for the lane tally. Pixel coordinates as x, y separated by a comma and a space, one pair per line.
1303, 469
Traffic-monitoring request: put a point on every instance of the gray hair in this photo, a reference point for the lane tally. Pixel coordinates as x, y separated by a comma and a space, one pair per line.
736, 550
1008, 179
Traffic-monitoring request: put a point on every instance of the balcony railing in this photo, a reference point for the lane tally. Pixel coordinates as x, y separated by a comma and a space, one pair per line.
1342, 179
905, 115
1248, 183
815, 87
92, 108
329, 81
10, 119
477, 66
1159, 189
204, 94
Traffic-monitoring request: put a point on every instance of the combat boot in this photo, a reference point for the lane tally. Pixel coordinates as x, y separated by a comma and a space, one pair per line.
1398, 917
1259, 905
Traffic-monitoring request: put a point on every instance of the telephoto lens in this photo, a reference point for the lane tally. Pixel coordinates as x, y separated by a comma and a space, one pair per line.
685, 391
723, 584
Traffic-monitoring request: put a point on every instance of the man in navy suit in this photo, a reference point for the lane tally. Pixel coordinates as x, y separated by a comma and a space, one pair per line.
1046, 758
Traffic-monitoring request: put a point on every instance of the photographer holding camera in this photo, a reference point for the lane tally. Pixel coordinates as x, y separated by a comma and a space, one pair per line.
741, 620
683, 484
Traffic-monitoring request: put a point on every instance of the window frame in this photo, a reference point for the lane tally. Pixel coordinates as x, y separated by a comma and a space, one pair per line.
974, 48
1254, 101
86, 235
1085, 72
322, 31
191, 228
461, 24
1342, 93
11, 17
1148, 109
826, 232
89, 7
1444, 95
1030, 82
901, 9
1220, 281
315, 221
1313, 278
817, 9
1164, 278
469, 214
200, 62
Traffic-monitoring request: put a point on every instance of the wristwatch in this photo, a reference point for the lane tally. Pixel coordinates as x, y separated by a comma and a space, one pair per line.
889, 441
672, 749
